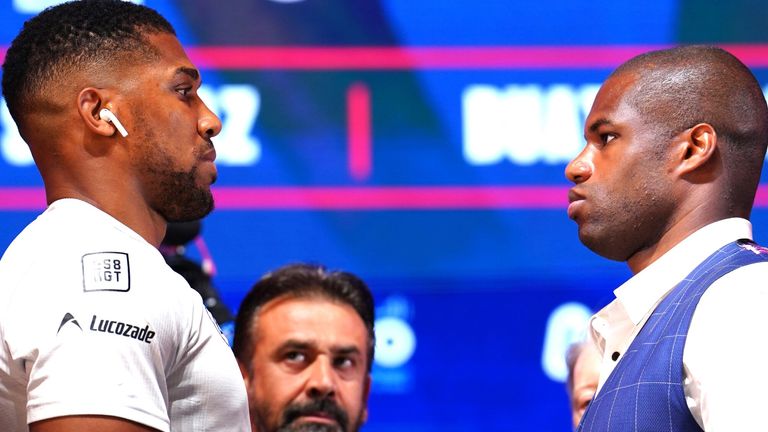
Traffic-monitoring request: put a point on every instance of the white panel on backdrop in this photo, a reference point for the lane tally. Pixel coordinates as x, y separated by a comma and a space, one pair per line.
525, 124
566, 325
37, 6
12, 148
238, 107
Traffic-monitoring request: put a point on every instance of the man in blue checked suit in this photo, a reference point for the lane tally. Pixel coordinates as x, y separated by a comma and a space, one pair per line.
676, 141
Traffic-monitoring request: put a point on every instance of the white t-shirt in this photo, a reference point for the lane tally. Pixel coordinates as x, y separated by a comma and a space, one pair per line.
93, 322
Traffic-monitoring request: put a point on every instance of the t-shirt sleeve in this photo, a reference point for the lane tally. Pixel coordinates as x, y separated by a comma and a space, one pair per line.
95, 354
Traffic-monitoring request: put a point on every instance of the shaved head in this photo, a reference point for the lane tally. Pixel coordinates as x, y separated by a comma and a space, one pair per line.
678, 88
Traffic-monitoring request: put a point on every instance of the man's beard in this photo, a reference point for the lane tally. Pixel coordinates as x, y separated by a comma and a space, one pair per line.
325, 406
176, 195
182, 199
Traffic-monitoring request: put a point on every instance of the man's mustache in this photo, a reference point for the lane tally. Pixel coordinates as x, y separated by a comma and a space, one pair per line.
327, 407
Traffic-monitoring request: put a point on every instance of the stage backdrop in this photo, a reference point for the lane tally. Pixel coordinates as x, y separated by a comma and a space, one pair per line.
420, 145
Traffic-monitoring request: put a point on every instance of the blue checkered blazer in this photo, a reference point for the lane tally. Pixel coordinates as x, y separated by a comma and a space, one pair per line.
645, 391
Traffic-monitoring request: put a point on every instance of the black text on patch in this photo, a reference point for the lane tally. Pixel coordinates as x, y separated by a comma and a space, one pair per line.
106, 271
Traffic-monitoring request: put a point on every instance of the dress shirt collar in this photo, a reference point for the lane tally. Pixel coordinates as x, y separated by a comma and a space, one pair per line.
640, 293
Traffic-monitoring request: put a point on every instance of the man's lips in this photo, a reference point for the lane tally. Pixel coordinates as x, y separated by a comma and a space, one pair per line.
210, 155
576, 200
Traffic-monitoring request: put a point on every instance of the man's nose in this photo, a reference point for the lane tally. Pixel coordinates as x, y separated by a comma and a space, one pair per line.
209, 124
322, 379
579, 169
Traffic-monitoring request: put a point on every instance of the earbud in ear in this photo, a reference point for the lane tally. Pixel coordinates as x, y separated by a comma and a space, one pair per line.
107, 115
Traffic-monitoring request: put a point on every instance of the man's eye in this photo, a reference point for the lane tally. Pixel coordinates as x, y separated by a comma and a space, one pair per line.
295, 357
607, 137
584, 403
344, 363
184, 91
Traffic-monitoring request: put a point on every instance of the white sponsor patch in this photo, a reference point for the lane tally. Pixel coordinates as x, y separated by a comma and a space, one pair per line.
106, 271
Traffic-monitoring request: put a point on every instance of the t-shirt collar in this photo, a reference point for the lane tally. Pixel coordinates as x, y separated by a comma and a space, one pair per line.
85, 208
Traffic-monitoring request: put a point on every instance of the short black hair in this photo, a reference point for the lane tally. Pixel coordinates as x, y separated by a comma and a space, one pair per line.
70, 37
302, 281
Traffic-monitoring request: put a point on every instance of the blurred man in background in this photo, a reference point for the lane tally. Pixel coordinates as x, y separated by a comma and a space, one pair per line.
583, 361
304, 341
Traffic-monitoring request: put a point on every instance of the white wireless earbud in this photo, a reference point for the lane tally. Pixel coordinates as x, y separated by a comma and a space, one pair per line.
107, 115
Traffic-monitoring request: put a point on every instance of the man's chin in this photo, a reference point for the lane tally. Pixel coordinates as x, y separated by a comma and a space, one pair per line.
189, 213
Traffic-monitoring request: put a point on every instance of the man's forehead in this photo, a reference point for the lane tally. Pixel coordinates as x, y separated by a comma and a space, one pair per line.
308, 308
171, 55
616, 87
310, 318
612, 96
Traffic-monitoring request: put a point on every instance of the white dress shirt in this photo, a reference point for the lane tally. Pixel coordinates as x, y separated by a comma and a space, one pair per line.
726, 351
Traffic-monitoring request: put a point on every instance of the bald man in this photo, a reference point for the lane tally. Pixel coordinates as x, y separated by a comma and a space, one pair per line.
98, 333
676, 141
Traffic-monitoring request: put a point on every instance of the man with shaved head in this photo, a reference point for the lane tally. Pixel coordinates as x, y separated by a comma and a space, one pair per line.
97, 333
676, 141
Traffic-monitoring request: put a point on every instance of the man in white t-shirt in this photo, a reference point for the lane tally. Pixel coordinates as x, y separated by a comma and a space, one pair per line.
98, 333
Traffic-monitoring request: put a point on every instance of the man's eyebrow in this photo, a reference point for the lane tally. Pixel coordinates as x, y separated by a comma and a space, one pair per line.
296, 344
191, 72
599, 122
299, 345
346, 350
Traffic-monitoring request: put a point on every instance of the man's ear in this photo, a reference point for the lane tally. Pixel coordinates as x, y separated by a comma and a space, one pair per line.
366, 394
696, 147
246, 375
89, 102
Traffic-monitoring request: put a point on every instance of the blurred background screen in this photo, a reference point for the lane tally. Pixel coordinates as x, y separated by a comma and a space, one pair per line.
420, 145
